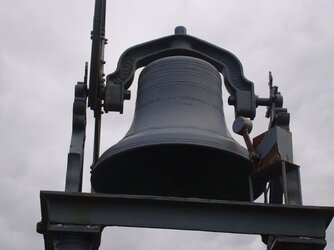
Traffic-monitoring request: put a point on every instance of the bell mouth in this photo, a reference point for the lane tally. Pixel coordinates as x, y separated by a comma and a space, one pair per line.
177, 170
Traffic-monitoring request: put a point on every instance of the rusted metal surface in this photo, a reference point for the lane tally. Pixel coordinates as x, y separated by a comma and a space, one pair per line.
274, 150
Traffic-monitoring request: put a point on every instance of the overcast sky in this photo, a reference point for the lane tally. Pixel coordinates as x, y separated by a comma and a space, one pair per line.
44, 44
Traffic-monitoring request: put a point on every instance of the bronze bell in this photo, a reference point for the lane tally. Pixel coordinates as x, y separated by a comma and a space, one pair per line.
178, 143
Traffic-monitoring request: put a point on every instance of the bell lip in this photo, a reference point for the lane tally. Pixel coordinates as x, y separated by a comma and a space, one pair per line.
179, 138
95, 175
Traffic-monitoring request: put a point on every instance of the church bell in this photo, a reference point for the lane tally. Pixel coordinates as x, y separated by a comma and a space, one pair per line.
178, 143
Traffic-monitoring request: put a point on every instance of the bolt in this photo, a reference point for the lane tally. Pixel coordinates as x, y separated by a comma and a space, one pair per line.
180, 30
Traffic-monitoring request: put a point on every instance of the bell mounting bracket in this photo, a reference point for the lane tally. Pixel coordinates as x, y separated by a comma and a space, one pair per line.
240, 89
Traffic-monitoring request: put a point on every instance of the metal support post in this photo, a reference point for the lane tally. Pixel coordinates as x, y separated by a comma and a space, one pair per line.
294, 190
70, 237
73, 242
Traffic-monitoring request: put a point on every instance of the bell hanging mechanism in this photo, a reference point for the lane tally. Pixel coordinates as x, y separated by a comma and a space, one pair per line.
178, 144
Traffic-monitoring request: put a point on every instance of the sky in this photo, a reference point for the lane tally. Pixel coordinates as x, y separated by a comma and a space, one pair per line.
44, 46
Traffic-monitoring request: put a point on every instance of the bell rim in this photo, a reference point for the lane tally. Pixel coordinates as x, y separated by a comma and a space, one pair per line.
131, 142
102, 169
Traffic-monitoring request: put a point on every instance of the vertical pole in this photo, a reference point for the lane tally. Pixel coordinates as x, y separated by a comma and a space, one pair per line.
67, 237
294, 189
96, 80
251, 191
97, 136
72, 244
284, 183
275, 191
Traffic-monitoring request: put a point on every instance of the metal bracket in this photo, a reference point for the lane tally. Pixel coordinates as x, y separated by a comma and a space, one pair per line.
274, 149
76, 155
241, 89
278, 116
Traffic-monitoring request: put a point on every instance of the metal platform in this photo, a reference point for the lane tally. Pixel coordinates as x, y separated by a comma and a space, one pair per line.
85, 214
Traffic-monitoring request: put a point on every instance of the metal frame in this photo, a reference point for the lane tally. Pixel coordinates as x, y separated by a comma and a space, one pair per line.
74, 220
88, 213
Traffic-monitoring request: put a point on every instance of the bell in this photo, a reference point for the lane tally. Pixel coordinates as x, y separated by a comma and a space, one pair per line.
178, 143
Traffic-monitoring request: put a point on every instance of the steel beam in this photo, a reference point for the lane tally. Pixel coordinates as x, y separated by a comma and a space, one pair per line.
183, 213
288, 243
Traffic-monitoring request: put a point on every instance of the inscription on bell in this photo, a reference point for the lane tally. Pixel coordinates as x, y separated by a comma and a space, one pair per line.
179, 100
164, 75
